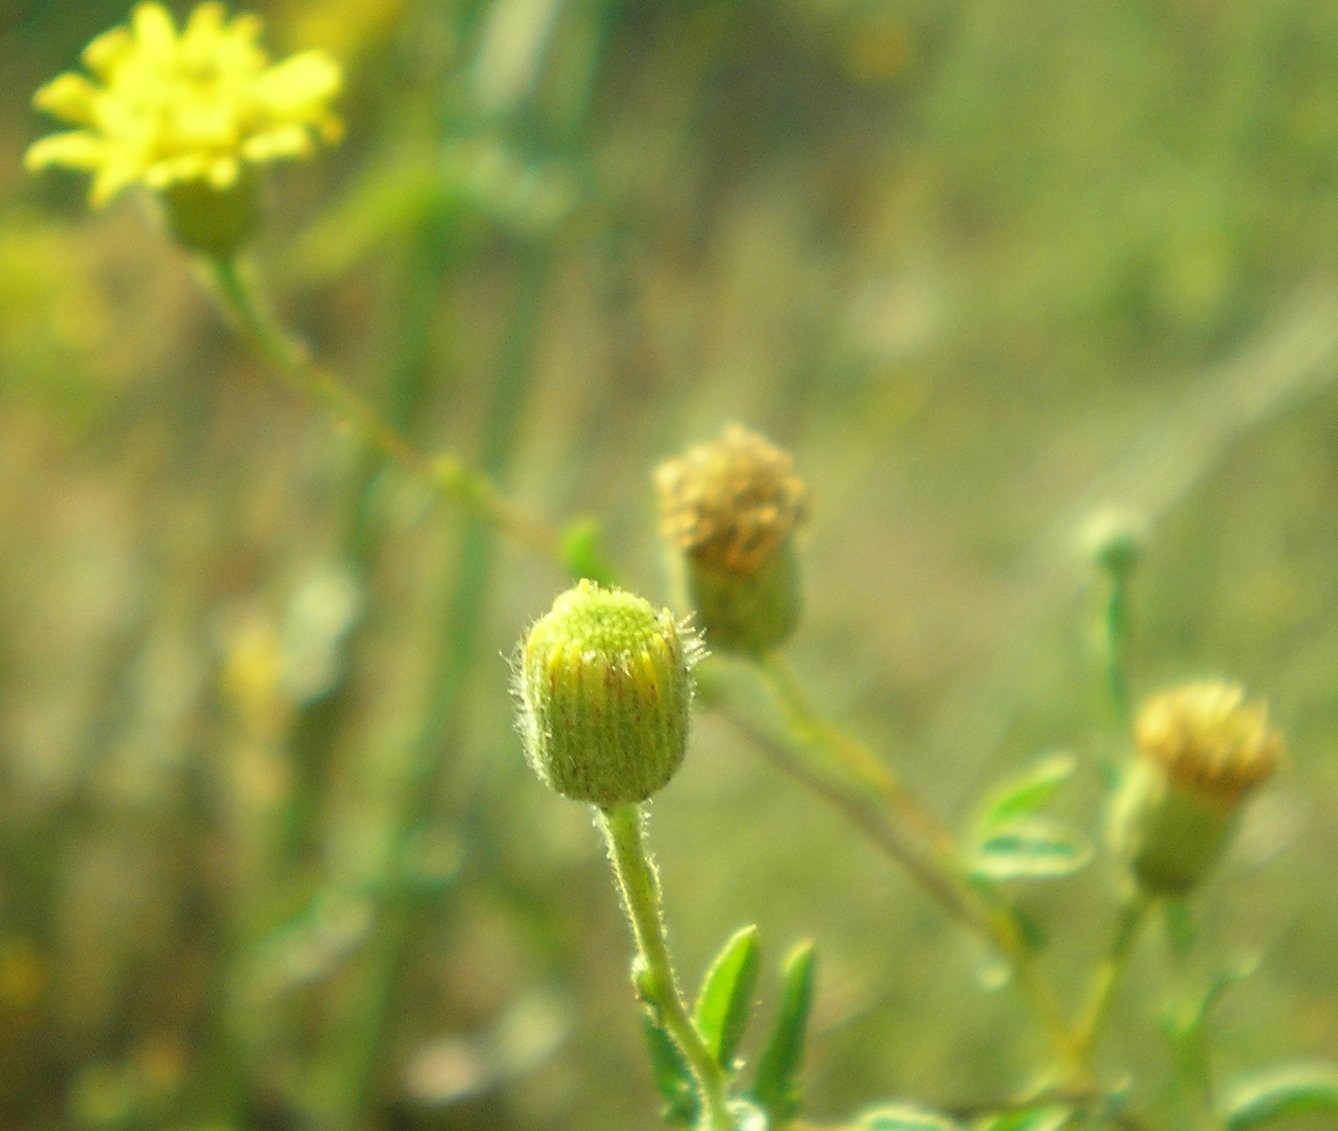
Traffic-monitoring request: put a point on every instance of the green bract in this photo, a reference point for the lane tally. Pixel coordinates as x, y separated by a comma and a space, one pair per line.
605, 685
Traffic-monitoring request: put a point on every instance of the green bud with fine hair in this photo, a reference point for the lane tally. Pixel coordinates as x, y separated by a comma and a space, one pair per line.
604, 685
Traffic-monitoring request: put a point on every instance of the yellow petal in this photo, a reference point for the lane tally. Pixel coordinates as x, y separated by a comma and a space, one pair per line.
105, 51
301, 82
77, 149
155, 33
203, 26
68, 96
247, 26
112, 176
280, 142
223, 172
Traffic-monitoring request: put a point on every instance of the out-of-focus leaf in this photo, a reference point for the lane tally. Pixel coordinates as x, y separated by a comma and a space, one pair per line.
1186, 1026
1264, 1099
726, 999
1024, 795
1032, 1119
906, 1117
1030, 849
776, 1086
582, 554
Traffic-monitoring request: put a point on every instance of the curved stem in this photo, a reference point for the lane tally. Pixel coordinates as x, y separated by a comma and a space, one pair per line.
922, 844
445, 473
852, 756
624, 828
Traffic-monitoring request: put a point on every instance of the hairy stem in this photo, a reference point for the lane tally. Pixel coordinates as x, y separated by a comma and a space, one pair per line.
624, 828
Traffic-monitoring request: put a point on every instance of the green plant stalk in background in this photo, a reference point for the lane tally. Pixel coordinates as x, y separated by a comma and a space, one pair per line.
444, 472
928, 850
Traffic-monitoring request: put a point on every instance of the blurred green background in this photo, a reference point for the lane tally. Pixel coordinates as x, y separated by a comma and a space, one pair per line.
985, 267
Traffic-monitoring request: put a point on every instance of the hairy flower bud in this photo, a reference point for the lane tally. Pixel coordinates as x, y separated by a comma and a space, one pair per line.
1202, 749
604, 685
730, 509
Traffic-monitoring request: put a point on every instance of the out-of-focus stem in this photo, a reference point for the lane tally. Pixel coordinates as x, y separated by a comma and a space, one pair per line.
445, 473
927, 849
1112, 968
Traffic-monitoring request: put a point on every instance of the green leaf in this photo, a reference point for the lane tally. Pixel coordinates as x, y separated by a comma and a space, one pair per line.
1266, 1098
1029, 849
1187, 1025
906, 1117
1032, 1119
673, 1080
669, 1069
776, 1087
726, 999
1024, 795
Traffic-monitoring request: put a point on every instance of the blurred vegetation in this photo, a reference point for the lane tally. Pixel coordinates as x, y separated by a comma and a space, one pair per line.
984, 266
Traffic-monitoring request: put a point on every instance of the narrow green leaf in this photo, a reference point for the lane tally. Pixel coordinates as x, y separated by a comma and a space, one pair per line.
1266, 1098
906, 1117
673, 1080
1024, 795
1187, 1025
1030, 849
776, 1087
669, 1068
726, 999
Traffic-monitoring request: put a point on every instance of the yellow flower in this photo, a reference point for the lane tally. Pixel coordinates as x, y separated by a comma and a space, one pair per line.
195, 107
1203, 748
1209, 740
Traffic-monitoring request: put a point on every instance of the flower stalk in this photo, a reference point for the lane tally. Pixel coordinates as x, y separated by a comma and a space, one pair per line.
624, 829
446, 473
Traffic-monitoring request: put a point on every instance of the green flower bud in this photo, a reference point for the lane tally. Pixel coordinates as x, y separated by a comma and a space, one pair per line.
604, 684
1201, 751
1116, 539
730, 509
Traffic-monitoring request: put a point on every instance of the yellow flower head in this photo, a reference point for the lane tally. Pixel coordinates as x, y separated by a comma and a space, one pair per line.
168, 108
1208, 739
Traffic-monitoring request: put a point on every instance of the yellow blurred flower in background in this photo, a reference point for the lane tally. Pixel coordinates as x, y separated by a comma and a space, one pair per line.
168, 108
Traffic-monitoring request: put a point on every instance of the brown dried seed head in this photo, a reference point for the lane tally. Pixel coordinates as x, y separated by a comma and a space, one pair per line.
1209, 740
731, 504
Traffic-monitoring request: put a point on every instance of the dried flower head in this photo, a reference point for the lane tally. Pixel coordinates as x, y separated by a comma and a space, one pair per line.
731, 504
1208, 739
604, 687
197, 107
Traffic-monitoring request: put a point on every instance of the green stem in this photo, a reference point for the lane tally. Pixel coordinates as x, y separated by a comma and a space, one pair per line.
445, 473
1116, 634
852, 756
624, 828
430, 778
928, 850
1111, 970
